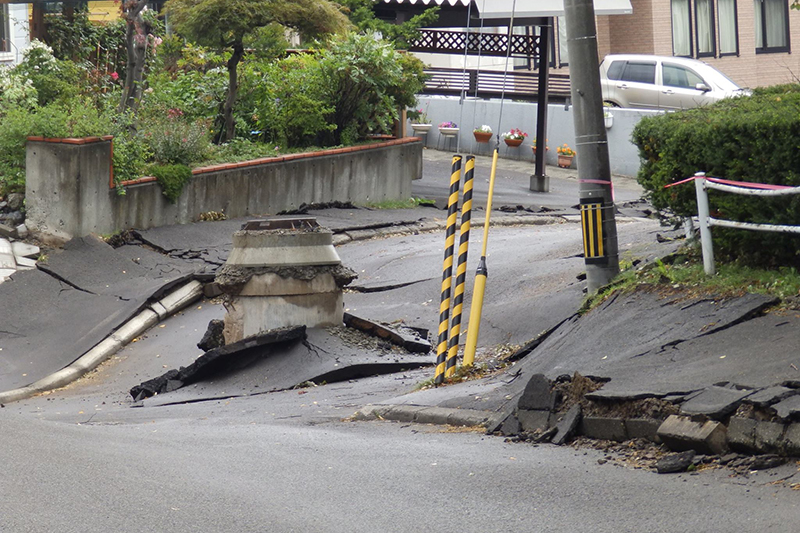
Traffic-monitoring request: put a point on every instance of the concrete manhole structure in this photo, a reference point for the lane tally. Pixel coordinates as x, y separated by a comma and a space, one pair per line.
282, 271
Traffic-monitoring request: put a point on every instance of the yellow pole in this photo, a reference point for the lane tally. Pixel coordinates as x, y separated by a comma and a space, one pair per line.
480, 278
461, 270
447, 270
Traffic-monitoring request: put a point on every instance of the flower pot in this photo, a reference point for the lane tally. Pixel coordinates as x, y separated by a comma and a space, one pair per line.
565, 161
482, 136
421, 129
513, 142
451, 132
608, 118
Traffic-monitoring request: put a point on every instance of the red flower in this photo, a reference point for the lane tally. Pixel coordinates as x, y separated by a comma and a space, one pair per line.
114, 76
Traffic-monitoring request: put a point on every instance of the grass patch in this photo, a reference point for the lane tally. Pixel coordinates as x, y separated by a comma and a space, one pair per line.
408, 203
684, 270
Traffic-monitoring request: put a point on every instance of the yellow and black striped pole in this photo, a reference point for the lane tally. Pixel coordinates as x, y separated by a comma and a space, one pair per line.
461, 268
480, 277
592, 224
447, 270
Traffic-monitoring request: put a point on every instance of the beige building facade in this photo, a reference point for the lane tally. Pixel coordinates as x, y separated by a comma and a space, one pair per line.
754, 42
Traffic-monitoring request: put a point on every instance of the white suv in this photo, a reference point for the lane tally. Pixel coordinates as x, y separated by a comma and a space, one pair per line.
656, 82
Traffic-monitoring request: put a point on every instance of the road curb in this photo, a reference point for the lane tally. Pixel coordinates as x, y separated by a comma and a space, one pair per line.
147, 318
422, 414
440, 225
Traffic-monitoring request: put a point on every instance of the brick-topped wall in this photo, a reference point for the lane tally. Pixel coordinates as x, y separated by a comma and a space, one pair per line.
70, 190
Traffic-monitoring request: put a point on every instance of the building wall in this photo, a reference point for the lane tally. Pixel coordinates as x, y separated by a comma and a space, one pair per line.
649, 31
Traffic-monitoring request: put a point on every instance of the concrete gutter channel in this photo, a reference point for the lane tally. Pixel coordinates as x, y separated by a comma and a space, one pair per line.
146, 319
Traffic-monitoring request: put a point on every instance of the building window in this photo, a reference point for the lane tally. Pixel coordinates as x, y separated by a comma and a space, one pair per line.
706, 38
563, 47
728, 28
772, 26
681, 28
5, 34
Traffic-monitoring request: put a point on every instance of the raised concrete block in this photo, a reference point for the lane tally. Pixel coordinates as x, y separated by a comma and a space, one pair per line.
603, 428
5, 273
681, 434
742, 434
768, 436
568, 425
642, 428
534, 420
791, 439
537, 394
7, 231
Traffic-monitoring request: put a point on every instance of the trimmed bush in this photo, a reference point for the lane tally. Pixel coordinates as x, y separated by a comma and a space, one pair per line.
754, 139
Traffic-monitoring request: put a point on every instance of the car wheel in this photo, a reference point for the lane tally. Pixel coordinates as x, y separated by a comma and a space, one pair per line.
609, 103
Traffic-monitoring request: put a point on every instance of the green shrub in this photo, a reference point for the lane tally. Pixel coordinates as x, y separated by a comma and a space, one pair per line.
367, 81
175, 140
172, 179
753, 139
288, 101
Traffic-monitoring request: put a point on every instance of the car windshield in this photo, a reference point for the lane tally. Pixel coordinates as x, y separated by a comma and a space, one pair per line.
719, 79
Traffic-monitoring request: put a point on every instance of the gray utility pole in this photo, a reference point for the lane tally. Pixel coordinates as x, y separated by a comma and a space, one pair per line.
594, 171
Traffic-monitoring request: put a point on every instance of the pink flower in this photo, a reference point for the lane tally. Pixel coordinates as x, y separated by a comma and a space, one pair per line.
114, 76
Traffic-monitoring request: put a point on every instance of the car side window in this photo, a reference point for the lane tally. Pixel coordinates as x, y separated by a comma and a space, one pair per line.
677, 76
639, 72
615, 70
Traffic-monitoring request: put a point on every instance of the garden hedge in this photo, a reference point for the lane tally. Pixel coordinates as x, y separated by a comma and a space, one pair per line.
751, 138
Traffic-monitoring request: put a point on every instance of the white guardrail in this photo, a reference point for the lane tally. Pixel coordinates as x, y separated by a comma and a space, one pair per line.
702, 184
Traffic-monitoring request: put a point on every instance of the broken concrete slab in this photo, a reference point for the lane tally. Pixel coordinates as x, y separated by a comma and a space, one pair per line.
23, 249
715, 402
219, 361
768, 436
770, 395
622, 395
324, 356
409, 341
568, 425
603, 428
6, 273
7, 231
681, 434
23, 263
791, 439
91, 265
213, 337
675, 462
741, 434
7, 259
537, 394
531, 421
51, 324
788, 408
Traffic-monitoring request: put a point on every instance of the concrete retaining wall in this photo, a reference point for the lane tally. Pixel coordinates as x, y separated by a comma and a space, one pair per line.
68, 190
623, 154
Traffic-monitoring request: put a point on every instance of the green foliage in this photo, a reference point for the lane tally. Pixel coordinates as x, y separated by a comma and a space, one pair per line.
83, 41
174, 139
288, 101
753, 139
684, 271
52, 78
172, 178
367, 82
408, 203
362, 15
195, 93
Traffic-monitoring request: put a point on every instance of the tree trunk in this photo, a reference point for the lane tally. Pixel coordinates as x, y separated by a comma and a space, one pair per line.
136, 45
228, 129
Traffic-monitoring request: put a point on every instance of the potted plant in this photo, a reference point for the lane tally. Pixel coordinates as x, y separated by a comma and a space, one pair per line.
448, 129
482, 134
608, 117
514, 137
565, 155
546, 148
420, 122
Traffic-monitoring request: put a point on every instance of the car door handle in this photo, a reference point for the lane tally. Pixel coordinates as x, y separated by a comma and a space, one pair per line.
622, 86
668, 91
